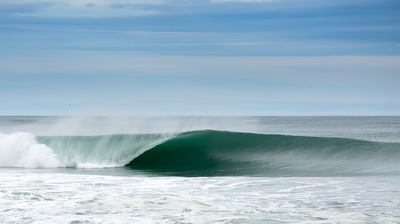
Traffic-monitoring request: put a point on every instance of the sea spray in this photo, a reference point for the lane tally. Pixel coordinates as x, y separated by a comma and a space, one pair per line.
21, 149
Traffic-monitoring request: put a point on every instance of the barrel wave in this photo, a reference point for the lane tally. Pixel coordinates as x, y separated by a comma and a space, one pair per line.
205, 153
228, 153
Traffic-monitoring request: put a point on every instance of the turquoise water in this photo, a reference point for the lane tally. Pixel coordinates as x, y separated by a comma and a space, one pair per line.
215, 153
199, 169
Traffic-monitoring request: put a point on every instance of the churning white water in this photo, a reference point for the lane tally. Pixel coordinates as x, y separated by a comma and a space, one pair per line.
21, 149
28, 196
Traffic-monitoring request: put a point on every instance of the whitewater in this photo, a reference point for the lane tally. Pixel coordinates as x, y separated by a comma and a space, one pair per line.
199, 169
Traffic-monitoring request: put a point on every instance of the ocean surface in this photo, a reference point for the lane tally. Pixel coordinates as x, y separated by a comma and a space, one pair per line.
199, 169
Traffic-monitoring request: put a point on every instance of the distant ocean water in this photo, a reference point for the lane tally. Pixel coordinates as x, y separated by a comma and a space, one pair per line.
199, 169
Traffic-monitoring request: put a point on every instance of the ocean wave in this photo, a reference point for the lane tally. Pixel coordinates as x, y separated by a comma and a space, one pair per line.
204, 153
230, 153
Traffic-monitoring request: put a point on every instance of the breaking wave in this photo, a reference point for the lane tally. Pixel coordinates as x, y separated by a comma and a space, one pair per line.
204, 153
22, 150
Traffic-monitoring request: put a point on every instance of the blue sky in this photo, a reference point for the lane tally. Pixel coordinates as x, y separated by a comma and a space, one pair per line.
200, 57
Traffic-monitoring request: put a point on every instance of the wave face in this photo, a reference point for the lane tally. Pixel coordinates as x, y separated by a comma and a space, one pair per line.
228, 153
204, 153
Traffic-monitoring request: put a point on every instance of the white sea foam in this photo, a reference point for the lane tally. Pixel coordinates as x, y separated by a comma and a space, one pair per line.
21, 149
71, 197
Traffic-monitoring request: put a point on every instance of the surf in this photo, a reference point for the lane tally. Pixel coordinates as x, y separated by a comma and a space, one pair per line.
204, 153
21, 149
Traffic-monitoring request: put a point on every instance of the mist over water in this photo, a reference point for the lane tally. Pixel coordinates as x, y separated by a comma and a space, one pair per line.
381, 129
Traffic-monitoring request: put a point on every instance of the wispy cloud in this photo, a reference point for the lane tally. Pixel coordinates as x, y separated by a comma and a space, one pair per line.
245, 56
244, 1
205, 85
62, 62
22, 9
79, 8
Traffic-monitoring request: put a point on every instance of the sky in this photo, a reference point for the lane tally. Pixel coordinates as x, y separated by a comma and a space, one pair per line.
200, 57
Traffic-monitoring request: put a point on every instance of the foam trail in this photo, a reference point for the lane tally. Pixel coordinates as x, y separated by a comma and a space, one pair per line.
21, 149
